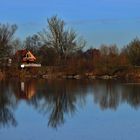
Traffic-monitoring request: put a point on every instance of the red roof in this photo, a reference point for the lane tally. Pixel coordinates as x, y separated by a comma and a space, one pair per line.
25, 55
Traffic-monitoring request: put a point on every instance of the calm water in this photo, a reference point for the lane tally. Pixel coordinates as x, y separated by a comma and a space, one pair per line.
69, 110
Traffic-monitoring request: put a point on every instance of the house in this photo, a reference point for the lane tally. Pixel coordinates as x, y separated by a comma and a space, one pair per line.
24, 56
26, 59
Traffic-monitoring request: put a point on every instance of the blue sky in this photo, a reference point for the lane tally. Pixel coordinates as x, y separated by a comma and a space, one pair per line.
98, 21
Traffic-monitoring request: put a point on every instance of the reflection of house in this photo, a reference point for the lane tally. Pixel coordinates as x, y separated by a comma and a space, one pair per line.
27, 91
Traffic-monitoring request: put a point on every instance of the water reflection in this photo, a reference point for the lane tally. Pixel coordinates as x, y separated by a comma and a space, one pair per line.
24, 90
7, 105
107, 95
110, 95
132, 95
58, 99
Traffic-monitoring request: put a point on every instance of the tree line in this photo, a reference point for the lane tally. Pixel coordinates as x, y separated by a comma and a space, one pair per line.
58, 45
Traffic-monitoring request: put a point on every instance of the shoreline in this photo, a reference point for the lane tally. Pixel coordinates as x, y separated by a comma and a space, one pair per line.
53, 73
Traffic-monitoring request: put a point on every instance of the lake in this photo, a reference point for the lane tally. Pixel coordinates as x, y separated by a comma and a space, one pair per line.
34, 109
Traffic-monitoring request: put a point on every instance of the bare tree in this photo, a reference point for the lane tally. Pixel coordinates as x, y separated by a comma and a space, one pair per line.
6, 36
17, 44
65, 41
33, 43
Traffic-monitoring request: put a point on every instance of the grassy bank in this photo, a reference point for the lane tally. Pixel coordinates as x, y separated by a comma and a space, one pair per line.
129, 73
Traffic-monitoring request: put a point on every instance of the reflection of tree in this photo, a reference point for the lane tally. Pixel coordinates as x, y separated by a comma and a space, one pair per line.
62, 103
6, 106
109, 95
60, 99
131, 94
106, 94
